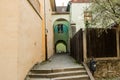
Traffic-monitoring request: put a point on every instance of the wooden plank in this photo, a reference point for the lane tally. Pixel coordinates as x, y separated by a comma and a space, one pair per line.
88, 71
103, 46
84, 46
118, 43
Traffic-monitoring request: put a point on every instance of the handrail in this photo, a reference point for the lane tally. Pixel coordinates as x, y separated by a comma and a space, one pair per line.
88, 71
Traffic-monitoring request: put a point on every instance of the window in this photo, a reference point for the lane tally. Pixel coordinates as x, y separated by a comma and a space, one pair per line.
60, 28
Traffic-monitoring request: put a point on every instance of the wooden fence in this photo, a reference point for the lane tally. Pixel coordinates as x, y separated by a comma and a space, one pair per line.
101, 46
77, 46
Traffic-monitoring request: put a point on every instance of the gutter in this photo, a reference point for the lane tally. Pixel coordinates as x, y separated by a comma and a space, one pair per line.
46, 53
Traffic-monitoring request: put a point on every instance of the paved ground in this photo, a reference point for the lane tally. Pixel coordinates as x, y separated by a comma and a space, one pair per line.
58, 61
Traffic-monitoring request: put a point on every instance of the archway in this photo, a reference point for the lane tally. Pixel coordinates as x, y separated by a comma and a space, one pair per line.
61, 35
60, 47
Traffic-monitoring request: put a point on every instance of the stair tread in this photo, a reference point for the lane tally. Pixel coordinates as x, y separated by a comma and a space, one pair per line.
40, 79
77, 76
66, 77
57, 73
60, 68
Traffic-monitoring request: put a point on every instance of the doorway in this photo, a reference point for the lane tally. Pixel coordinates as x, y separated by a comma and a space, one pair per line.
61, 47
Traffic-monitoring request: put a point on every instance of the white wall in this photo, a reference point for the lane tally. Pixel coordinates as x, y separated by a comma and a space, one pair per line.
77, 14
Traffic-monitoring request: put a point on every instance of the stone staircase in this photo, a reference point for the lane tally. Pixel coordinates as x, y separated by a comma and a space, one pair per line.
75, 73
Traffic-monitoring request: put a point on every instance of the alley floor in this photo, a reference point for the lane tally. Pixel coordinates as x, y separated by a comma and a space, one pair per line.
58, 61
59, 67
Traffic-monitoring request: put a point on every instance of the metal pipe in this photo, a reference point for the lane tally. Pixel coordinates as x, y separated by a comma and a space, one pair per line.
46, 53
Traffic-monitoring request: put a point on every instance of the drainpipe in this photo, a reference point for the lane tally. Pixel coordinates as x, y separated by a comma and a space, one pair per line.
46, 53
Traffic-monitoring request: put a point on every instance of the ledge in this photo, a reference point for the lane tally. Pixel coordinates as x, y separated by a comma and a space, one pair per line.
106, 58
56, 13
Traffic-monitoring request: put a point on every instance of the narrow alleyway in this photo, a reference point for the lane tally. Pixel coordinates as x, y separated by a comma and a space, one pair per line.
58, 61
59, 67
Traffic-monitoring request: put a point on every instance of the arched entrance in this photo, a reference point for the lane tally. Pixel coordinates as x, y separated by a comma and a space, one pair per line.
60, 47
61, 35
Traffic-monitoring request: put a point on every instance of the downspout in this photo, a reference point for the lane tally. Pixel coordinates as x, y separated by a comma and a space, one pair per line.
46, 53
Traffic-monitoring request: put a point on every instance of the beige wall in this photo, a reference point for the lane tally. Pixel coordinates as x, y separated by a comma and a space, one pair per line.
22, 37
50, 44
9, 20
30, 39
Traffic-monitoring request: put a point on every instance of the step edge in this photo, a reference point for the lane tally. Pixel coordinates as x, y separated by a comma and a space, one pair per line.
80, 76
57, 73
56, 70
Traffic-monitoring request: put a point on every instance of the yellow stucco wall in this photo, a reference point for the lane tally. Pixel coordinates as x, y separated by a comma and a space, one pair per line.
49, 27
31, 38
9, 21
22, 37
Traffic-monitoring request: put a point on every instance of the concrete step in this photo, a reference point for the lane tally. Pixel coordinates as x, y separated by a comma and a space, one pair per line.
78, 77
56, 70
61, 67
39, 79
58, 74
